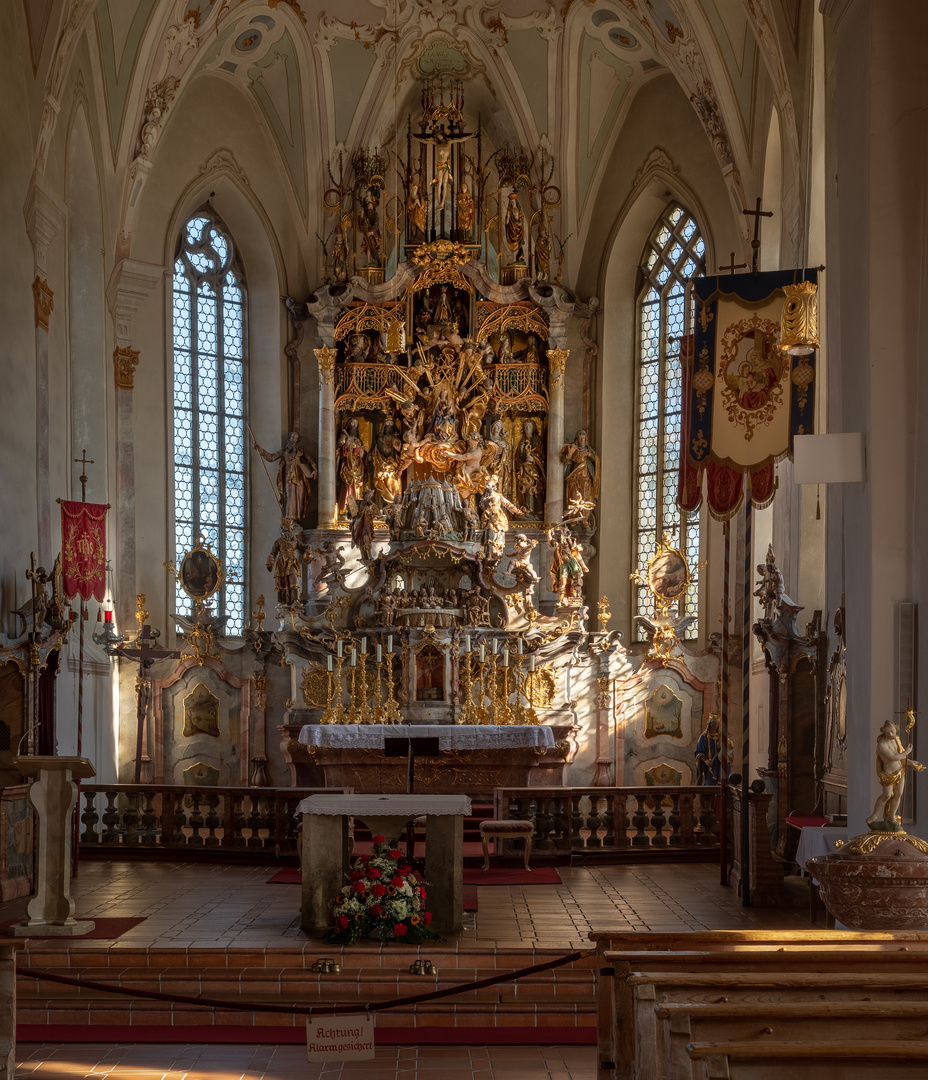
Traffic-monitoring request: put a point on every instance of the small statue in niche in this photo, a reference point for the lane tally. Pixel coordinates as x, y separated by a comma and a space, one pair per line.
581, 474
465, 206
891, 761
294, 473
532, 354
352, 467
385, 459
770, 589
542, 252
708, 753
362, 525
502, 465
386, 607
284, 562
515, 227
359, 346
530, 469
504, 356
415, 211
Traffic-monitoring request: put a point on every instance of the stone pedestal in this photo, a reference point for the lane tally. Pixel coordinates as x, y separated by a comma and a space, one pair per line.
53, 794
877, 881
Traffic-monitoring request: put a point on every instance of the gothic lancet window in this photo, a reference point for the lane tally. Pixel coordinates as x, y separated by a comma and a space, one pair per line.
673, 256
209, 407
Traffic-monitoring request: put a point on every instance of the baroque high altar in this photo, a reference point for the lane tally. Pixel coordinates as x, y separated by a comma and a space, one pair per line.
443, 583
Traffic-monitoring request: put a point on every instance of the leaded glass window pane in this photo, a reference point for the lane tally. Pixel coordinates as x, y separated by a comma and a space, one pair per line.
210, 481
673, 256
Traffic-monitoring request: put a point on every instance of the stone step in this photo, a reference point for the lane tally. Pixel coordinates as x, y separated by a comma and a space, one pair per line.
564, 997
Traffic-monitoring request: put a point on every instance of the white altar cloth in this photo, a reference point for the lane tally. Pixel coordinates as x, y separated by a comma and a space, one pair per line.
450, 736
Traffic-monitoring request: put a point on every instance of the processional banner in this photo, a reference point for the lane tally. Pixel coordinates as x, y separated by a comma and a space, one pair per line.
83, 549
744, 399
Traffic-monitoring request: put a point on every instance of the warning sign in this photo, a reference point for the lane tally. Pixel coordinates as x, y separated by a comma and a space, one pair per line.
340, 1038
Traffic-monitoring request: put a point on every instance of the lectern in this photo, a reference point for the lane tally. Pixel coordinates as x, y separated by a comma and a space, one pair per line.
53, 794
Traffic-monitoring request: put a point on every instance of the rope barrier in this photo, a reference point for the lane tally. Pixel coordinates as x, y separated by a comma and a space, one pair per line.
327, 1010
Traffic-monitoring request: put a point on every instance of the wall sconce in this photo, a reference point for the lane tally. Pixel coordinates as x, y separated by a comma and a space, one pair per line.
799, 321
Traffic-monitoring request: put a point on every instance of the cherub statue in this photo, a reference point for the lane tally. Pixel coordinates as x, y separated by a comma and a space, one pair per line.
332, 562
891, 760
521, 564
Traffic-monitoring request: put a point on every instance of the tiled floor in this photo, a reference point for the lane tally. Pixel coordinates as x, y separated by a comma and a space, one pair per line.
208, 905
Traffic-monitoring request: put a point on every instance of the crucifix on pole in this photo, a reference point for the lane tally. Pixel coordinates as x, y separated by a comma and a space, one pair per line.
733, 266
757, 214
84, 462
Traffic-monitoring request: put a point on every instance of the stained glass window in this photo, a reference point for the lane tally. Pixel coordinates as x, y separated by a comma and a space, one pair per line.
673, 256
209, 407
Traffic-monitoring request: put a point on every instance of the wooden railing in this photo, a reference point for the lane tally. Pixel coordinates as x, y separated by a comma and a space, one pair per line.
123, 817
614, 819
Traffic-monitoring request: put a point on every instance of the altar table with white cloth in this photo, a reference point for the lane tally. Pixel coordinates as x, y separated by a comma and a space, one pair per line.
325, 849
450, 736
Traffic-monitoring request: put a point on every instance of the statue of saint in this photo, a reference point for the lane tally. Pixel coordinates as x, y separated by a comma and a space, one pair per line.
891, 760
284, 561
331, 569
542, 252
515, 227
362, 525
294, 473
504, 356
502, 466
368, 224
530, 469
521, 565
567, 565
708, 753
415, 211
770, 590
465, 206
352, 467
494, 507
385, 459
581, 472
359, 347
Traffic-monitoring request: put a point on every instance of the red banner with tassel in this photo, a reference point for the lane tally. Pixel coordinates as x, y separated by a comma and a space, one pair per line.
83, 549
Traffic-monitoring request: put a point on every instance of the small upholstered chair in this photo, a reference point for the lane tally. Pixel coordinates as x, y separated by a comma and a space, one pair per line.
506, 830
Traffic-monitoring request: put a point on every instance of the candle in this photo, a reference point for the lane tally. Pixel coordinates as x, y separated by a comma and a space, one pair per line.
379, 653
467, 643
108, 615
364, 646
389, 644
520, 646
483, 652
329, 658
505, 658
354, 657
340, 643
531, 663
494, 646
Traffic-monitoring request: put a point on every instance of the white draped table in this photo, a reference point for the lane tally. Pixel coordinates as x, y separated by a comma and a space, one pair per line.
450, 736
325, 849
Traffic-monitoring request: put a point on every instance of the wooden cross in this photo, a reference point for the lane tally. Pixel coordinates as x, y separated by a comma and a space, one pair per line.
730, 269
85, 461
757, 214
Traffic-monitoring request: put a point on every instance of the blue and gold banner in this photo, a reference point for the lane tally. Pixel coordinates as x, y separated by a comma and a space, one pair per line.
747, 398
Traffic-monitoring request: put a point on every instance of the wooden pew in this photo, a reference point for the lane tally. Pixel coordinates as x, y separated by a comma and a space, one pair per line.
638, 971
858, 1060
763, 1023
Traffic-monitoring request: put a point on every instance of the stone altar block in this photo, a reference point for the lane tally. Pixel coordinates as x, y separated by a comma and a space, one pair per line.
53, 794
325, 849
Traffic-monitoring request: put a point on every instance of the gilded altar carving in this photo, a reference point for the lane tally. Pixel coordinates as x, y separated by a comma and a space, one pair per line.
315, 687
557, 362
125, 361
201, 712
326, 358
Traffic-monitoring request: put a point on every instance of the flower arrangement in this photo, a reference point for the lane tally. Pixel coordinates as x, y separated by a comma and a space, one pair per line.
382, 898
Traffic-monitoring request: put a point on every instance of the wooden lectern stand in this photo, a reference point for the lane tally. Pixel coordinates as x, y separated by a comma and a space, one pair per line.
53, 794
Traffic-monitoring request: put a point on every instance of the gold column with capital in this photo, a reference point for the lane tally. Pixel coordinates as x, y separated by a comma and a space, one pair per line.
326, 491
554, 495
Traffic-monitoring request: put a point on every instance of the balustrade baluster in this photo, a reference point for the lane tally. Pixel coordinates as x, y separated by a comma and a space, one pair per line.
687, 821
674, 819
621, 815
239, 821
229, 800
576, 822
195, 821
707, 821
255, 822
560, 825
640, 821
658, 822
131, 819
170, 830
544, 825
90, 817
592, 823
212, 821
110, 819
147, 834
609, 822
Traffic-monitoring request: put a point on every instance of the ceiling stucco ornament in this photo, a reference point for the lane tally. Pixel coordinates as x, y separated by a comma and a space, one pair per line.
223, 160
657, 161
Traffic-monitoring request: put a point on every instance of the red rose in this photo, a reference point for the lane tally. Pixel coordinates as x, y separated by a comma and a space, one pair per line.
355, 875
421, 892
397, 881
378, 889
378, 839
427, 917
376, 910
342, 921
359, 887
404, 869
373, 872
399, 930
395, 853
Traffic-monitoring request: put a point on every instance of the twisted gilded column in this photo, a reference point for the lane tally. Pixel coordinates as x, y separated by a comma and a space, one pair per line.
326, 480
554, 496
